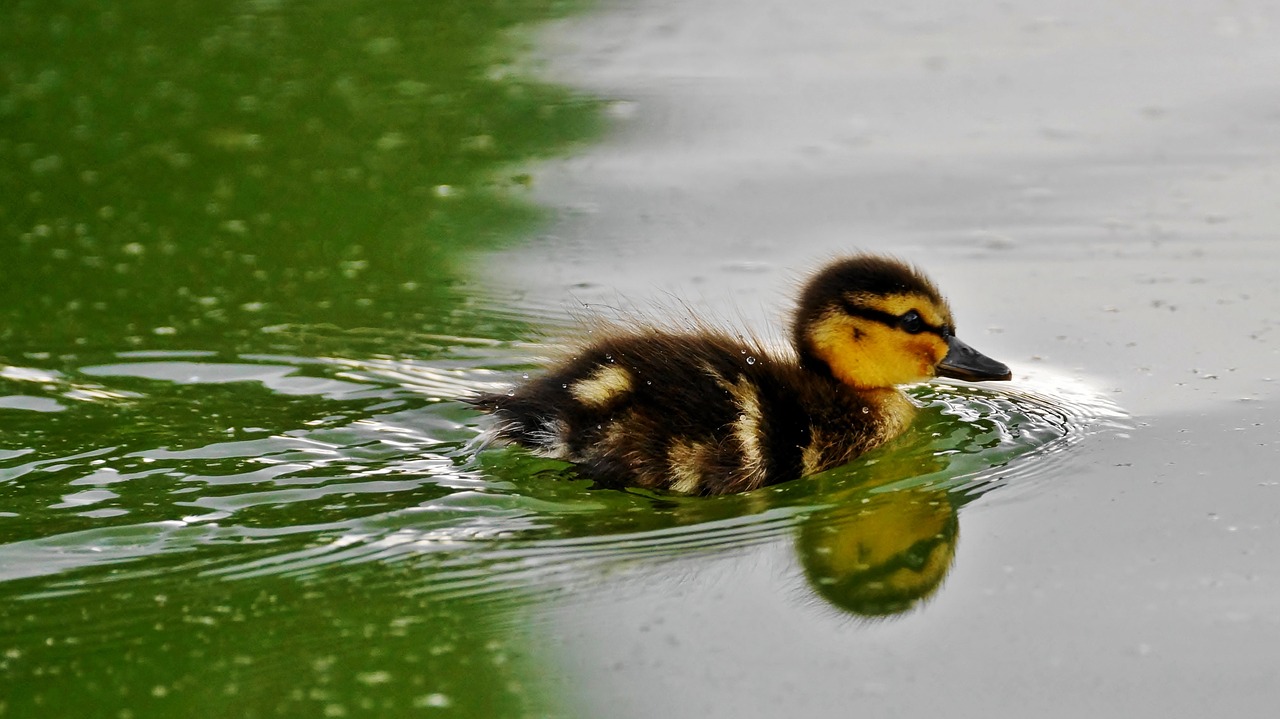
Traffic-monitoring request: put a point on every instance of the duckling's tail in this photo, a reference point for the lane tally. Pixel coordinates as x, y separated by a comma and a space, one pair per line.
519, 420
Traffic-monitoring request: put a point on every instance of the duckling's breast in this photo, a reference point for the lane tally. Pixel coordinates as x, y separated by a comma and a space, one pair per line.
846, 423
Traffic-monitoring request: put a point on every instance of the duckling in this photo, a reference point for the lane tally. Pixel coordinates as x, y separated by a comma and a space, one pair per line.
707, 413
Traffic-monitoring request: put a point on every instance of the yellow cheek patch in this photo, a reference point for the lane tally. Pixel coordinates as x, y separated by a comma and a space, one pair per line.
853, 348
866, 354
603, 386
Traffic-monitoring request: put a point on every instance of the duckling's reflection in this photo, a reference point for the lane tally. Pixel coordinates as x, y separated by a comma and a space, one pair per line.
878, 551
880, 554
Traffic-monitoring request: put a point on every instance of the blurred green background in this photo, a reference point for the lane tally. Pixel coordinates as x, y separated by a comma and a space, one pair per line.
186, 174
211, 179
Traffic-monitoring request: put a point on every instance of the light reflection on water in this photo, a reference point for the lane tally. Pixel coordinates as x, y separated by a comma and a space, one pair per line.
314, 464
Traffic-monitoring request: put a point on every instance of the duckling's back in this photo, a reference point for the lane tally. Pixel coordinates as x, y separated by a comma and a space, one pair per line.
697, 414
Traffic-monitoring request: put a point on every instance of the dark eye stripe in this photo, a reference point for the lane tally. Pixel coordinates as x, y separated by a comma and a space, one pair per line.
891, 320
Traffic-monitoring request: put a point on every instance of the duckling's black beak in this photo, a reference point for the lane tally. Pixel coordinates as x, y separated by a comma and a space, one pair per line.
966, 363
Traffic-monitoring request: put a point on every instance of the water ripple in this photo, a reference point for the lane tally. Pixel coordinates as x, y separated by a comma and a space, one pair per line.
322, 464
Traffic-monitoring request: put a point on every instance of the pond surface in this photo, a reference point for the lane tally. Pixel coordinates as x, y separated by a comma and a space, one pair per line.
1094, 185
255, 252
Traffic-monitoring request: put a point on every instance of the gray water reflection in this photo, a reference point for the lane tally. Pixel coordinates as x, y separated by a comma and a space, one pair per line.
1093, 184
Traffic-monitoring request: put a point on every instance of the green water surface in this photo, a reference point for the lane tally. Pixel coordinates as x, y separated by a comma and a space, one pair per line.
235, 318
218, 179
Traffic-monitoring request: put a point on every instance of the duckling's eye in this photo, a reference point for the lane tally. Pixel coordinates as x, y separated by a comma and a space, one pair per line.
911, 322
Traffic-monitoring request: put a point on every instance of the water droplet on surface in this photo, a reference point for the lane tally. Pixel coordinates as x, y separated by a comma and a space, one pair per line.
751, 360
433, 700
371, 678
866, 410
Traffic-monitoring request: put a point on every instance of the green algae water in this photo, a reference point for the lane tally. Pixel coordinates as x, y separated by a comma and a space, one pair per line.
186, 175
234, 322
183, 186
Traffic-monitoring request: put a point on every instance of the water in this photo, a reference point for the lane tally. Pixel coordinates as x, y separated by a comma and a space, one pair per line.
364, 460
214, 231
255, 253
185, 529
1098, 204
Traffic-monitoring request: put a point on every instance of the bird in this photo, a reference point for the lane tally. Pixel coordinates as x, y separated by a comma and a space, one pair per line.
707, 412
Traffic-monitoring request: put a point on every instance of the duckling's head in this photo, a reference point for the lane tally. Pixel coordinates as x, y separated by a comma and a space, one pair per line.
873, 322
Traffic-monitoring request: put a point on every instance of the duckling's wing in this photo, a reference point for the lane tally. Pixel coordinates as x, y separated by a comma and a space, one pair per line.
696, 414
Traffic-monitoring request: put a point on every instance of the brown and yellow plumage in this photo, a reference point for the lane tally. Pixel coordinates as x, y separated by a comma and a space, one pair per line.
706, 413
